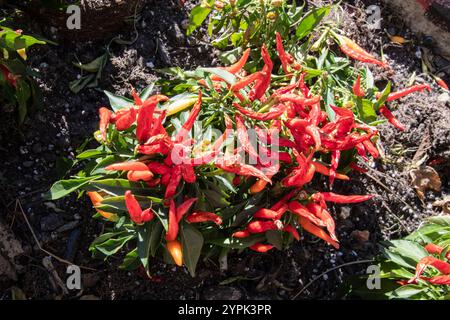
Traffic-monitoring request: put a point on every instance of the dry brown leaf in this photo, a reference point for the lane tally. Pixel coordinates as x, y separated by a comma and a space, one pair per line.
444, 204
423, 179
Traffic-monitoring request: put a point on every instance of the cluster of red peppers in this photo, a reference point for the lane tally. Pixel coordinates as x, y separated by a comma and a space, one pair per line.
295, 121
442, 266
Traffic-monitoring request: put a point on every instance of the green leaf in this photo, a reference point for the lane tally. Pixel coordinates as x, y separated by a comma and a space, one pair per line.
404, 252
275, 238
119, 186
143, 242
118, 203
223, 74
197, 16
310, 21
406, 292
92, 153
23, 94
192, 241
383, 97
440, 220
63, 187
235, 243
366, 110
156, 237
144, 94
93, 66
111, 246
118, 102
131, 261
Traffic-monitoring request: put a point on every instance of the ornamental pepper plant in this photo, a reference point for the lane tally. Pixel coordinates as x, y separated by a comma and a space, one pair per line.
223, 158
17, 85
414, 268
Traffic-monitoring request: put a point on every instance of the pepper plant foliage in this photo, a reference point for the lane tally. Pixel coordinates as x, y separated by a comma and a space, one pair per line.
416, 267
17, 86
225, 158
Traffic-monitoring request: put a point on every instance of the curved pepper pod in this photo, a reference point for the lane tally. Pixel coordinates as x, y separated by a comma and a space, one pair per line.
105, 118
134, 209
435, 249
353, 50
96, 200
259, 226
128, 166
175, 251
357, 90
260, 247
198, 217
318, 232
440, 265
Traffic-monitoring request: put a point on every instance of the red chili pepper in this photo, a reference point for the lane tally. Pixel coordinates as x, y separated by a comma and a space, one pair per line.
124, 118
198, 217
274, 112
145, 118
371, 148
292, 230
435, 249
338, 198
152, 149
183, 208
319, 210
357, 90
391, 118
301, 211
165, 179
335, 156
139, 175
285, 58
261, 86
322, 169
11, 78
353, 50
259, 226
187, 126
127, 166
188, 173
158, 168
245, 81
440, 280
234, 68
401, 93
241, 169
136, 98
292, 97
173, 228
355, 167
135, 211
441, 83
243, 137
241, 234
265, 213
154, 182
361, 150
440, 265
260, 247
174, 181
105, 118
318, 232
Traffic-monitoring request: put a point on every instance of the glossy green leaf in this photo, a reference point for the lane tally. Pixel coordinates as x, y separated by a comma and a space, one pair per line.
192, 242
310, 21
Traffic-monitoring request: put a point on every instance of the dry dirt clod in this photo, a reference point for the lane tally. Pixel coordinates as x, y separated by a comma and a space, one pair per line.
361, 236
424, 179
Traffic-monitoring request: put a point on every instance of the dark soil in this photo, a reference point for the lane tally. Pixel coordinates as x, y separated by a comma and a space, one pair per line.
30, 160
